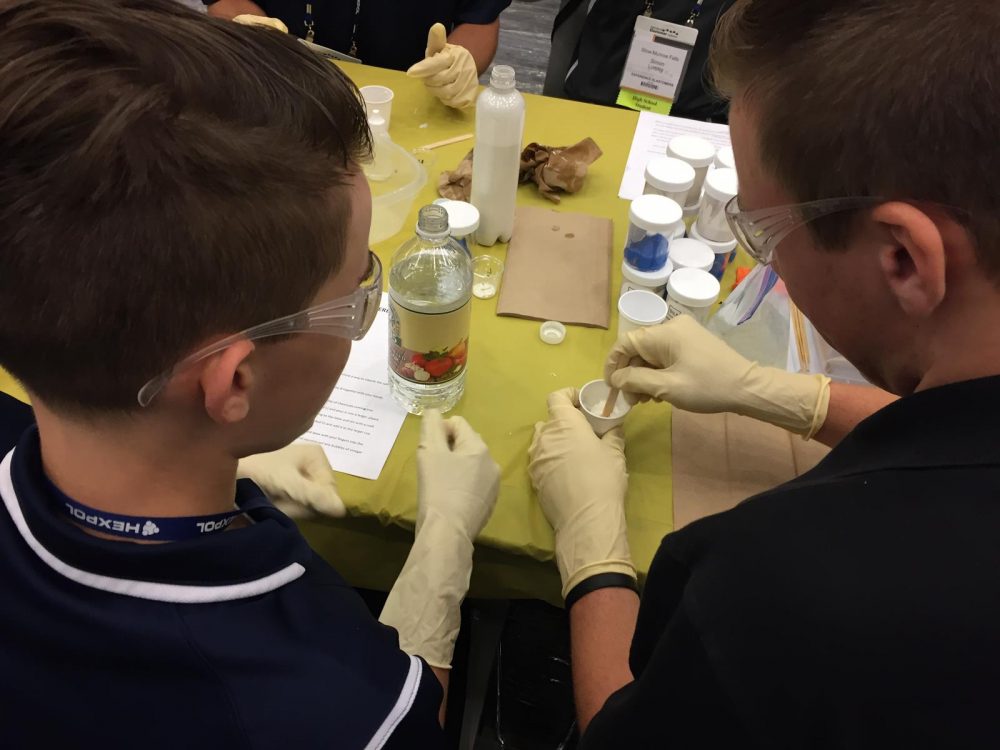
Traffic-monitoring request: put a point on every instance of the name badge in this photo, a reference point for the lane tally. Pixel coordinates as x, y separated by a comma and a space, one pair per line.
656, 64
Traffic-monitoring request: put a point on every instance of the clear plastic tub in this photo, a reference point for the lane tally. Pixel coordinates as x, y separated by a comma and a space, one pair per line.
392, 198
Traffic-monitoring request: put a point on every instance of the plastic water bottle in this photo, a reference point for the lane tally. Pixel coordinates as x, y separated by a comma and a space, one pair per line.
430, 288
497, 159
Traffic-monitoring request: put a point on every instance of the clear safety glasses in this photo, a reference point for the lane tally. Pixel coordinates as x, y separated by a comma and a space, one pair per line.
348, 317
759, 232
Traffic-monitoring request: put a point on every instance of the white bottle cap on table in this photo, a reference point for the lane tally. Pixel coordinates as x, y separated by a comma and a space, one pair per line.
690, 253
722, 185
693, 287
693, 149
463, 218
552, 332
655, 213
669, 175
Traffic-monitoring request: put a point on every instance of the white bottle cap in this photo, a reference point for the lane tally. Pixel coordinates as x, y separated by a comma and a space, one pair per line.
651, 279
722, 184
717, 247
693, 287
693, 149
690, 253
552, 332
669, 175
724, 158
655, 213
463, 218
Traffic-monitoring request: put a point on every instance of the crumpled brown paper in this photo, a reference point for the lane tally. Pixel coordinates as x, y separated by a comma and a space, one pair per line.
552, 168
555, 168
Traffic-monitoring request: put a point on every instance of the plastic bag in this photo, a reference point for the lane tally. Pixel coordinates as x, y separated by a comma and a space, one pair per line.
754, 319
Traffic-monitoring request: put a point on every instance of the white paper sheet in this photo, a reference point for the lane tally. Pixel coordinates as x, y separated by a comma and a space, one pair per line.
360, 422
652, 133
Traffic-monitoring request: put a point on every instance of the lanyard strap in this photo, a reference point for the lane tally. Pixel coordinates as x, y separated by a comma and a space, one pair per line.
152, 529
692, 16
310, 26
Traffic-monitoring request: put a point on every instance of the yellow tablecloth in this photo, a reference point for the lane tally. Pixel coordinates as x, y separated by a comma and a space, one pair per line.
510, 373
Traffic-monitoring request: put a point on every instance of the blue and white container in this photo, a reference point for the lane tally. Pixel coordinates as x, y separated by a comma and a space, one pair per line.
653, 222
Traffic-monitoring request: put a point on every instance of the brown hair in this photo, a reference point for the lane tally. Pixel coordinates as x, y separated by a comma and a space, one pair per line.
164, 177
873, 97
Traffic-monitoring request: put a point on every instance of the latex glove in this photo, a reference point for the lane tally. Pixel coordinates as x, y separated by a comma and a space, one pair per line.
688, 366
248, 19
298, 480
581, 483
449, 70
457, 489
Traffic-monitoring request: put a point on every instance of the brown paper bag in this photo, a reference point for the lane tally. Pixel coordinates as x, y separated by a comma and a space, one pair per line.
719, 460
558, 268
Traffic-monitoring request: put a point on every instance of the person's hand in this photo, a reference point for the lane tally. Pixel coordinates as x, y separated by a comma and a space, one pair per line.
298, 479
581, 482
272, 23
682, 363
448, 70
457, 485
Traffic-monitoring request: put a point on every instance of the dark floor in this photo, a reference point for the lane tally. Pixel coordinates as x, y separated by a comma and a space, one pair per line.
525, 29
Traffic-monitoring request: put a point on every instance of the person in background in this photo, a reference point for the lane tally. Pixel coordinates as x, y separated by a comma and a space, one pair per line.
858, 605
591, 40
173, 239
461, 36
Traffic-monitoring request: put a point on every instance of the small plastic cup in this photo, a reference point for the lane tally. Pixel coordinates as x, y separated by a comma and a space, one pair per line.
486, 273
639, 308
592, 399
378, 101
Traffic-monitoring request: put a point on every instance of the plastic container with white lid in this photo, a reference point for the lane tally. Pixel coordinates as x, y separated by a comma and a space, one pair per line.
691, 292
463, 220
724, 158
724, 252
669, 177
650, 281
691, 253
653, 222
697, 152
721, 187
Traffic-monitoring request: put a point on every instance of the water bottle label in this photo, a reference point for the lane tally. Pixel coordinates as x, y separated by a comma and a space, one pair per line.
428, 348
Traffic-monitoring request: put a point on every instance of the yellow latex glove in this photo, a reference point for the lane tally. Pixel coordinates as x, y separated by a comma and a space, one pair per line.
251, 20
457, 486
581, 483
449, 70
298, 480
684, 364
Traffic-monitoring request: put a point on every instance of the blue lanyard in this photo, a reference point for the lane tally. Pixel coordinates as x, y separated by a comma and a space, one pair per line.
148, 528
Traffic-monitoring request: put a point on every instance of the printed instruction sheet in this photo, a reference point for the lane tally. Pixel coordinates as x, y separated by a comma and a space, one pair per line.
360, 422
652, 134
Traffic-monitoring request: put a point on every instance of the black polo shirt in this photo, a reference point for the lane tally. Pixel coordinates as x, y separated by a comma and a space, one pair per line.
390, 33
242, 639
857, 606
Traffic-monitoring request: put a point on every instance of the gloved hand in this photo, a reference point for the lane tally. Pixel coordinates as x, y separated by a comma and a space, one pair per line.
251, 20
684, 364
449, 70
457, 489
581, 483
297, 478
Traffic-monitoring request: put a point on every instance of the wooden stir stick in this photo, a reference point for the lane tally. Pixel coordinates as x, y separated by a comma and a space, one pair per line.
609, 405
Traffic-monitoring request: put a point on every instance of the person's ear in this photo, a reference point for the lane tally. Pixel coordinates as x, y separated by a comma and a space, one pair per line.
914, 260
227, 380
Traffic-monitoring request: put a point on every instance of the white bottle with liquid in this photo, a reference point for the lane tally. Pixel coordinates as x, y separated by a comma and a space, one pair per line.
497, 159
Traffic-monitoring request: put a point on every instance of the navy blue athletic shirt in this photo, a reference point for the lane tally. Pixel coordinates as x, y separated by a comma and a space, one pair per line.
235, 640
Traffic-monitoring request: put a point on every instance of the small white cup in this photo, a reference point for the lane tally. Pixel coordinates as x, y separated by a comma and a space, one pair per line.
638, 309
378, 101
592, 399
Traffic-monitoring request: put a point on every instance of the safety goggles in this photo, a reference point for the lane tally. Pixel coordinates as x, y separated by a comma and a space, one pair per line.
348, 317
759, 232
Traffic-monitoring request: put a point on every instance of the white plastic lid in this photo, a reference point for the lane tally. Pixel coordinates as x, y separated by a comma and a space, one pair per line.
693, 149
678, 231
717, 247
722, 184
463, 218
672, 175
690, 253
655, 213
552, 332
693, 287
724, 158
651, 279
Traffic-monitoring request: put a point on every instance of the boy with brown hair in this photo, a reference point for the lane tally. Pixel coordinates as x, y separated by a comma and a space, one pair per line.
858, 605
180, 203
